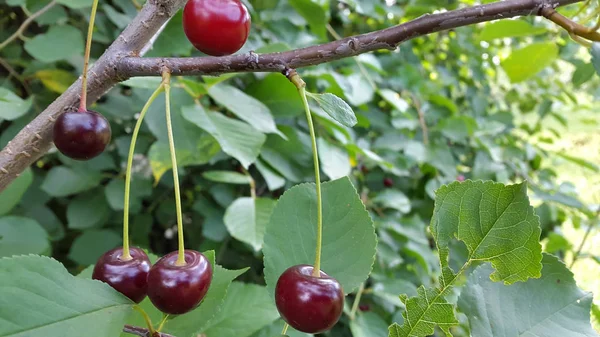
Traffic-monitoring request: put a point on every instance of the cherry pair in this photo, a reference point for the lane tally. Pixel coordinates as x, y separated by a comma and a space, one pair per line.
173, 289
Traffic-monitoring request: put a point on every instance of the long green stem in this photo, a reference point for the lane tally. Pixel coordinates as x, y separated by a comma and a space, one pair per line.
357, 301
126, 255
181, 248
146, 319
301, 85
285, 328
86, 58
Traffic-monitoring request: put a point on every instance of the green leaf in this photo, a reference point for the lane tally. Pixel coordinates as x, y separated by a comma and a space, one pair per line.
349, 239
547, 307
389, 289
272, 178
38, 297
160, 155
314, 14
394, 99
582, 74
335, 161
115, 193
90, 245
246, 219
277, 93
76, 3
12, 195
526, 62
274, 330
13, 106
247, 108
87, 211
423, 313
579, 161
228, 177
172, 41
496, 223
509, 28
595, 51
199, 319
368, 324
247, 309
20, 235
335, 107
59, 43
56, 80
62, 181
236, 138
395, 199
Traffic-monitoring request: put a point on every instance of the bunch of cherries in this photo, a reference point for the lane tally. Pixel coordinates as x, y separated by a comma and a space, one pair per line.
309, 301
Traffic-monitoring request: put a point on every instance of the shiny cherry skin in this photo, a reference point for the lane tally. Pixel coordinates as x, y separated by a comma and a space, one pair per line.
307, 303
388, 182
126, 276
216, 27
81, 135
175, 289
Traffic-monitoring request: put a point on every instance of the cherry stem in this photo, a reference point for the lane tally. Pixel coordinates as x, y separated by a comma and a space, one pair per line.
301, 85
146, 318
359, 293
126, 254
162, 322
285, 328
86, 58
166, 83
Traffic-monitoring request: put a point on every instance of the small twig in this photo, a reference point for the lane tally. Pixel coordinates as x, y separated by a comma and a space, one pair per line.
26, 24
143, 332
422, 122
569, 25
251, 182
16, 75
583, 240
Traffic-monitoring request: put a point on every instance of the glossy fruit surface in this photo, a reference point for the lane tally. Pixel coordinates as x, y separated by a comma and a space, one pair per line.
388, 182
81, 135
127, 277
177, 289
216, 27
307, 303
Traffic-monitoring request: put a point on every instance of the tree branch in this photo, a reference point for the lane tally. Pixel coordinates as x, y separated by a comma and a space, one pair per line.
122, 61
388, 38
143, 332
26, 23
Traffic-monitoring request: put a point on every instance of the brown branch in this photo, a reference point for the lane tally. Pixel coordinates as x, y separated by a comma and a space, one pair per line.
570, 26
351, 46
121, 61
143, 332
26, 23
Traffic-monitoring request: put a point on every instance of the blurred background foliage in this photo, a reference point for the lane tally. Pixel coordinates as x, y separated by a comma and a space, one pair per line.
506, 101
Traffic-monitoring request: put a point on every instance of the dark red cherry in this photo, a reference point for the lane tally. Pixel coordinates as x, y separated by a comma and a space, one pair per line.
308, 303
216, 27
81, 135
127, 277
177, 289
388, 182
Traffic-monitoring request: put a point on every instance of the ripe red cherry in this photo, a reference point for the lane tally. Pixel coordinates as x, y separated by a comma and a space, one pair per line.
216, 27
307, 303
81, 135
177, 289
388, 182
127, 277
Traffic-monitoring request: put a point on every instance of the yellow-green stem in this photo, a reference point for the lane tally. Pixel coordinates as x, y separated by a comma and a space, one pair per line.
302, 90
162, 322
86, 58
359, 293
126, 255
181, 249
146, 318
285, 327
